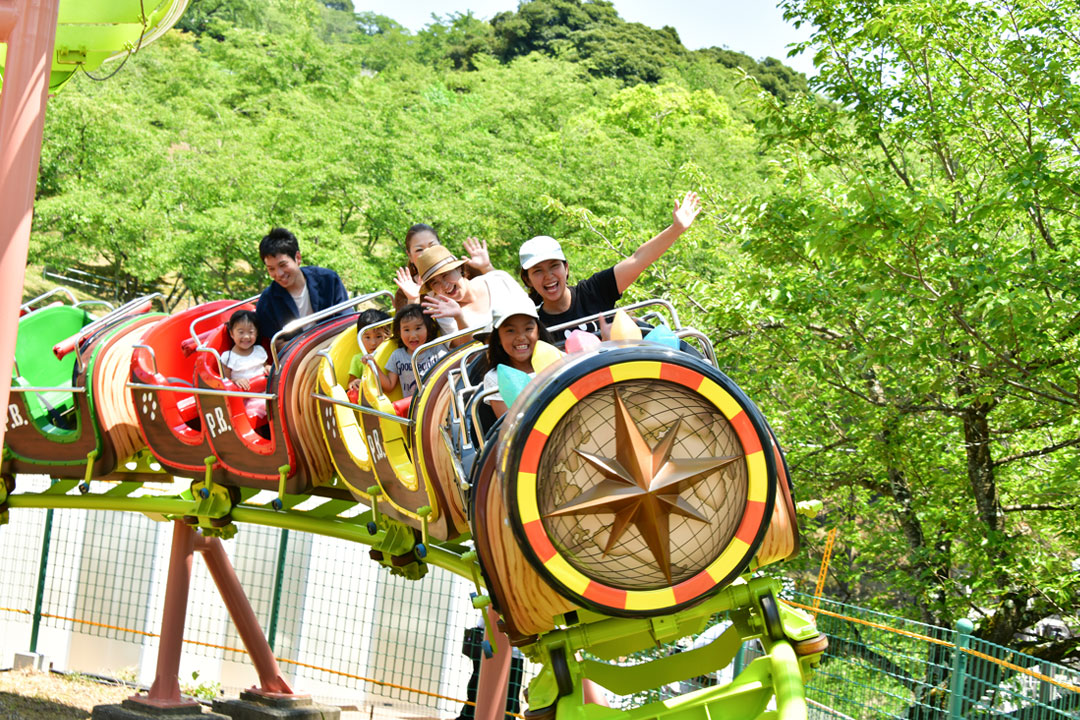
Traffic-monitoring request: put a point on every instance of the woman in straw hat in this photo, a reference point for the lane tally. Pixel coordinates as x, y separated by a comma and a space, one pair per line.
455, 301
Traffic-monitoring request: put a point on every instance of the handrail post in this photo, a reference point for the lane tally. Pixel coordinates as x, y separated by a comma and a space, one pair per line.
39, 596
279, 580
964, 628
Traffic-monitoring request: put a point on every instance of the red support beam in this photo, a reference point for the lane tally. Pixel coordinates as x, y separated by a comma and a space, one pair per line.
29, 29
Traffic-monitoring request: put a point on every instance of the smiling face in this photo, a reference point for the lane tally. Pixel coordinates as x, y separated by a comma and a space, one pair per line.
371, 338
285, 271
548, 279
518, 336
413, 332
418, 243
450, 284
243, 334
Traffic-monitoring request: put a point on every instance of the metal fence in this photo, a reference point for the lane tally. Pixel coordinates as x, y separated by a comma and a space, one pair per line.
882, 666
86, 589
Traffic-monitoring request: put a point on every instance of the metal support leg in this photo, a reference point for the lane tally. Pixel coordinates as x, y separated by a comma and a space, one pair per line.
243, 616
165, 692
494, 674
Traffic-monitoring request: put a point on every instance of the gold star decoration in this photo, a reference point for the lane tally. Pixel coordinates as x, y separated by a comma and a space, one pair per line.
643, 486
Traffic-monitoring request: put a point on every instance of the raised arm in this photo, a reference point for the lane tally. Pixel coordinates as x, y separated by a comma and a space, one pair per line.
478, 258
630, 269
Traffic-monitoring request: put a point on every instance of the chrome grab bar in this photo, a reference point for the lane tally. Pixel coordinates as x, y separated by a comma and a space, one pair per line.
147, 348
220, 365
457, 410
196, 321
298, 323
36, 388
706, 344
202, 391
361, 408
475, 402
93, 327
441, 340
675, 324
130, 305
55, 291
86, 303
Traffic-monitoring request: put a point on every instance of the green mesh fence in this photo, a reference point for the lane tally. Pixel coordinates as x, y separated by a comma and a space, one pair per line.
882, 666
344, 629
350, 633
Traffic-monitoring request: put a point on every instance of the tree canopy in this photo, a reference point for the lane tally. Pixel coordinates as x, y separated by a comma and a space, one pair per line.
887, 263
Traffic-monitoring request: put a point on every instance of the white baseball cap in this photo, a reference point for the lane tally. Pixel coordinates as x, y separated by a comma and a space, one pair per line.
517, 303
539, 249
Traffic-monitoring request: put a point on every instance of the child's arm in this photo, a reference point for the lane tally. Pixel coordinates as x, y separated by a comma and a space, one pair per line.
387, 379
354, 382
630, 269
498, 406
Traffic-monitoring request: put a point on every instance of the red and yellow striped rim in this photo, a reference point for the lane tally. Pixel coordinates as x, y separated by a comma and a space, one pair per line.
719, 570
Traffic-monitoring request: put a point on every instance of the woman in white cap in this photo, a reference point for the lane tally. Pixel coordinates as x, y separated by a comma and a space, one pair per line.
455, 301
544, 270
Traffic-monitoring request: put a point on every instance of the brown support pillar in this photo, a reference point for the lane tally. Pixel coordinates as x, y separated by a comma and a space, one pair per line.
271, 682
165, 692
494, 674
28, 27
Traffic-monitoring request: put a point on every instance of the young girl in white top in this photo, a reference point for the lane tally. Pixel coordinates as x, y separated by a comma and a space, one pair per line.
246, 359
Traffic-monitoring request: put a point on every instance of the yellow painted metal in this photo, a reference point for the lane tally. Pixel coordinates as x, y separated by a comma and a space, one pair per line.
92, 32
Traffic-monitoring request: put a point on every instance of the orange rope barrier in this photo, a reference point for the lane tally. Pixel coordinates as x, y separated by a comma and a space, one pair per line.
824, 568
878, 626
200, 643
918, 636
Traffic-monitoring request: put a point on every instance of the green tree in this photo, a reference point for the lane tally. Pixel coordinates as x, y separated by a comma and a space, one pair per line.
904, 304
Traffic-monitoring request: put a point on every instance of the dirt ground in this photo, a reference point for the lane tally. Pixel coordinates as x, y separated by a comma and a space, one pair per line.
34, 695
37, 695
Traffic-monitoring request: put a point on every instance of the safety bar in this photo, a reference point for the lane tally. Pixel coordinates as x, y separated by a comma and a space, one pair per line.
372, 326
88, 303
441, 340
55, 291
457, 410
32, 388
326, 354
196, 321
361, 408
203, 391
217, 355
474, 411
466, 384
147, 348
706, 344
62, 348
370, 362
298, 323
675, 324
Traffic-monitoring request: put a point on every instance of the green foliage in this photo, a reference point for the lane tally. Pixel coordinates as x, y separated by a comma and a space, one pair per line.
177, 167
773, 76
903, 303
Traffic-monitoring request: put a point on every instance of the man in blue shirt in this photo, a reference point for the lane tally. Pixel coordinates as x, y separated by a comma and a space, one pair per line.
296, 291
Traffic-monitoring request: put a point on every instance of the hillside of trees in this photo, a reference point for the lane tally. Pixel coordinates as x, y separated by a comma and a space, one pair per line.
887, 259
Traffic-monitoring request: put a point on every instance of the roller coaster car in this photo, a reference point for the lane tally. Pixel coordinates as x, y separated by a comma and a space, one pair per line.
292, 448
629, 434
77, 413
162, 375
408, 458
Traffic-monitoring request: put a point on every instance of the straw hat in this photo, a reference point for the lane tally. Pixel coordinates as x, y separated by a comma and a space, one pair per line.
436, 260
